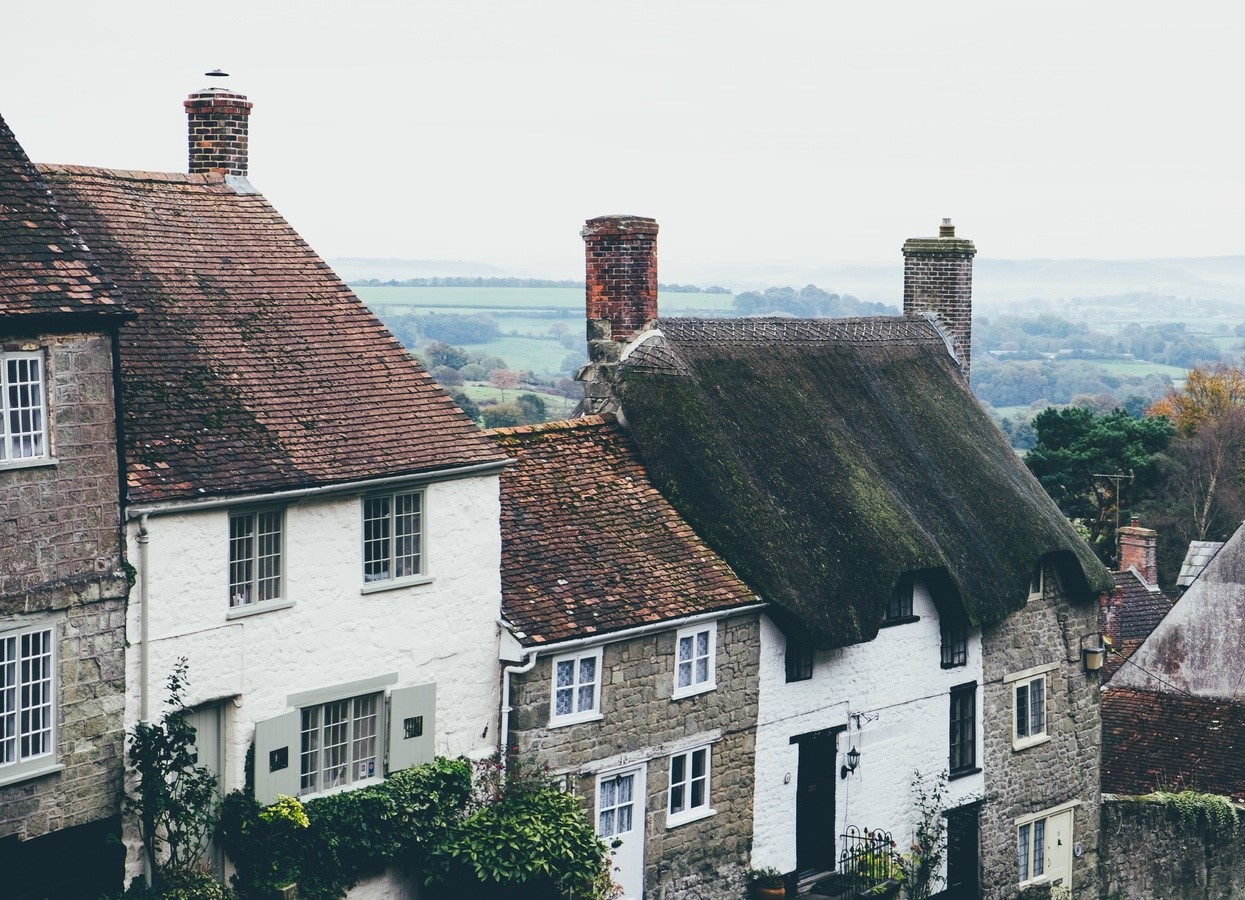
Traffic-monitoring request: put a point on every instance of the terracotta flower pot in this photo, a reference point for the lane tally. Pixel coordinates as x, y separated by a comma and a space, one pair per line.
768, 893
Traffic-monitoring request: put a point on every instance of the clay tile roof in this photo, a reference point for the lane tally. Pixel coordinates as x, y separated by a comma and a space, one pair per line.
250, 367
588, 544
1153, 741
825, 459
44, 267
1141, 610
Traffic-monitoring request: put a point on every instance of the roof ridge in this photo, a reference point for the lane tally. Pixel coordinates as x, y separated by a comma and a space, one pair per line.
132, 174
583, 422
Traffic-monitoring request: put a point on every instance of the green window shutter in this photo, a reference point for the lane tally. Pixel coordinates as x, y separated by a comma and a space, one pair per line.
277, 760
412, 726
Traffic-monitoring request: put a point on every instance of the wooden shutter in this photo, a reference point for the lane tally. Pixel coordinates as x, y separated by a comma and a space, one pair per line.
277, 764
412, 726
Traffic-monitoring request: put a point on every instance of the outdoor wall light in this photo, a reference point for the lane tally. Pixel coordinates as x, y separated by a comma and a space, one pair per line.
853, 760
1093, 651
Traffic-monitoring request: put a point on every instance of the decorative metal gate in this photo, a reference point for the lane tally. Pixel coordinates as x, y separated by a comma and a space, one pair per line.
868, 859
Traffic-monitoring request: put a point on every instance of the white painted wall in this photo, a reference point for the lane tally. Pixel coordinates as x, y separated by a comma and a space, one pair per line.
897, 683
444, 631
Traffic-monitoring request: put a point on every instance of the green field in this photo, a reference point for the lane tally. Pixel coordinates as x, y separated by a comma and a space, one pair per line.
1140, 369
550, 303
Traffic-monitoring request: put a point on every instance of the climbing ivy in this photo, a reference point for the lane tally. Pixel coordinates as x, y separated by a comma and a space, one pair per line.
1214, 812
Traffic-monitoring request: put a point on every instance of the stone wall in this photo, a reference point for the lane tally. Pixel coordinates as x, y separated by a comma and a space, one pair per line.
1148, 854
1065, 768
703, 859
61, 566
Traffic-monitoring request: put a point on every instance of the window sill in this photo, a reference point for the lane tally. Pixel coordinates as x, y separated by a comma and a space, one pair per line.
393, 584
37, 463
694, 690
577, 719
958, 665
254, 609
900, 620
964, 773
1027, 742
343, 788
688, 817
25, 775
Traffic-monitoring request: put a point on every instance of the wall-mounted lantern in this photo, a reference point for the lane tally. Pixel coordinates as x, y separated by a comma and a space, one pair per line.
1093, 651
853, 760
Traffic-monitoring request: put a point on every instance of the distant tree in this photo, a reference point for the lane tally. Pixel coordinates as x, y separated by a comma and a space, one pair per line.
439, 353
458, 329
467, 405
504, 380
557, 329
447, 377
1075, 446
502, 415
533, 408
573, 362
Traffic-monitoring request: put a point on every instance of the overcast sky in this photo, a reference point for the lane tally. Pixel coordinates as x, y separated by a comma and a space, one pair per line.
775, 132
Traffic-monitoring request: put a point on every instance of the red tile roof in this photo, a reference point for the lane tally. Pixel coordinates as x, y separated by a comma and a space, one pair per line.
1153, 741
1140, 612
588, 544
44, 267
251, 367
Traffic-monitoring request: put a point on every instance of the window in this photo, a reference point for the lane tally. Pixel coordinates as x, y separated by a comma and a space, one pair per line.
393, 536
799, 660
255, 543
689, 786
954, 644
576, 688
27, 695
338, 743
1031, 709
899, 605
1031, 849
1037, 581
693, 665
23, 414
963, 746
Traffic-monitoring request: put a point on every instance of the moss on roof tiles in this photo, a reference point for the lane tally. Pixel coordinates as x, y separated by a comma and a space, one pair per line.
824, 469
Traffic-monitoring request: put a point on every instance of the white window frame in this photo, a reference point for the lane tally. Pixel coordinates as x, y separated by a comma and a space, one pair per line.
577, 713
689, 810
1027, 876
688, 637
385, 579
251, 601
18, 758
36, 408
316, 738
1025, 680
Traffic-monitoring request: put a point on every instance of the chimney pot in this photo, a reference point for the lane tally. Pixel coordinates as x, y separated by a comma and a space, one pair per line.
946, 229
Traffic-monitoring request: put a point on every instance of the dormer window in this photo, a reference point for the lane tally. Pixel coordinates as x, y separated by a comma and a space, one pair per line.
899, 606
954, 644
1037, 581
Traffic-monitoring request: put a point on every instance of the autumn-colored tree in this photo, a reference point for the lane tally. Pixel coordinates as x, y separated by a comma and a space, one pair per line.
1209, 415
504, 380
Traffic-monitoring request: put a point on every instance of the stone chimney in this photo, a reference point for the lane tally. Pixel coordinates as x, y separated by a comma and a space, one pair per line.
1139, 550
620, 299
938, 279
218, 130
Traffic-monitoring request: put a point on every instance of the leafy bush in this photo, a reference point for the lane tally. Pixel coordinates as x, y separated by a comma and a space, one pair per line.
182, 884
1212, 812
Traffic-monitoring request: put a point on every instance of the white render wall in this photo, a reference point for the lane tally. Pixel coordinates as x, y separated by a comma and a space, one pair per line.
444, 631
898, 685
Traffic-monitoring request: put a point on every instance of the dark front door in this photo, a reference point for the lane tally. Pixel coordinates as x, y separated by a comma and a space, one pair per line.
962, 863
814, 803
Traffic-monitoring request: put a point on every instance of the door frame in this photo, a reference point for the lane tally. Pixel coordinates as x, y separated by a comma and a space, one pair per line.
639, 820
830, 775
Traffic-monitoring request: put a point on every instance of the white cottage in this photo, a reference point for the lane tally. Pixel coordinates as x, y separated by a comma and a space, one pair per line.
312, 522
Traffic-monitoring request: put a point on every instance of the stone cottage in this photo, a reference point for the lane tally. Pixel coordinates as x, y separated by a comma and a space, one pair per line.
312, 521
633, 658
62, 584
926, 599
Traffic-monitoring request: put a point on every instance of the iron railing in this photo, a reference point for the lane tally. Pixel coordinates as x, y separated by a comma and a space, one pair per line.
868, 859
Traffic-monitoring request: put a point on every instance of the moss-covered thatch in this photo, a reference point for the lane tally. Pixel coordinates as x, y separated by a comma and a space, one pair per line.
823, 460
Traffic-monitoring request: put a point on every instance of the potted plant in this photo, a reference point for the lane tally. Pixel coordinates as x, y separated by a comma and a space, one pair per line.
767, 883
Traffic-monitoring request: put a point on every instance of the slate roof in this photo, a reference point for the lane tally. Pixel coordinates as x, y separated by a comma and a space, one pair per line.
1195, 560
1153, 741
1140, 613
250, 367
824, 459
45, 270
1198, 647
589, 546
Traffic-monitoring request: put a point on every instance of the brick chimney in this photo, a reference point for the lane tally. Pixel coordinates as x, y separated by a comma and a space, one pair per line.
218, 130
938, 279
620, 298
1139, 550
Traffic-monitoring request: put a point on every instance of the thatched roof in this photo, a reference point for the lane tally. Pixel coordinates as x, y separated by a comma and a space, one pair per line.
824, 459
